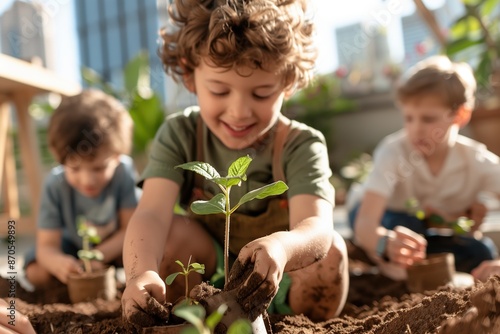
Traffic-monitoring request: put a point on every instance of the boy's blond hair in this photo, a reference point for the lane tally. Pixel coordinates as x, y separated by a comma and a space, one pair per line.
438, 76
272, 35
86, 123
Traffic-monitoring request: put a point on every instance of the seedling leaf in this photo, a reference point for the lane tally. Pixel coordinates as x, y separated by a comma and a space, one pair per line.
199, 268
202, 168
170, 278
275, 188
214, 318
240, 326
228, 181
216, 204
239, 167
194, 314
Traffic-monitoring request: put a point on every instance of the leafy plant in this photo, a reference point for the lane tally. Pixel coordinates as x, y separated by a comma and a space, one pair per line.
195, 315
89, 237
475, 37
220, 203
143, 103
185, 271
460, 226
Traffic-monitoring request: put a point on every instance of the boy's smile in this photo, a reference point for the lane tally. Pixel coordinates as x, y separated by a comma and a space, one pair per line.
238, 107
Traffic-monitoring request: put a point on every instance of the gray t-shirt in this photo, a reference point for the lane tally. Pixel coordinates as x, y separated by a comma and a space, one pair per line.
61, 204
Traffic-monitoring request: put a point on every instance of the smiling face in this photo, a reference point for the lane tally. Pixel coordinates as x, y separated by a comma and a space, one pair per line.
90, 176
429, 124
238, 109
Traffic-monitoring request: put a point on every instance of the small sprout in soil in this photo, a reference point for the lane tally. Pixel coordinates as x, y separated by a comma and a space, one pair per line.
195, 315
460, 226
89, 237
220, 203
185, 271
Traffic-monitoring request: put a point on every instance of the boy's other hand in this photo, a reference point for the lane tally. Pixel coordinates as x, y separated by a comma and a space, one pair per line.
257, 273
141, 298
405, 247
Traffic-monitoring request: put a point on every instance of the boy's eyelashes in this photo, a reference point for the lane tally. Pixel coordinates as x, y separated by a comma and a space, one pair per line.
256, 96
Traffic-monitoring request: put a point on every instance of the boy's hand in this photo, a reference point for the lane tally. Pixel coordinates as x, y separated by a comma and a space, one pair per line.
66, 266
257, 273
142, 296
405, 247
22, 323
477, 212
486, 269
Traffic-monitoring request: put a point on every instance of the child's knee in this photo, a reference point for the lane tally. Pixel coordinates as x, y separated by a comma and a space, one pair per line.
38, 275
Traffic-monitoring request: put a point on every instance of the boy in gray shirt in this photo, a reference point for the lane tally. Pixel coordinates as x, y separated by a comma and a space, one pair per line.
89, 135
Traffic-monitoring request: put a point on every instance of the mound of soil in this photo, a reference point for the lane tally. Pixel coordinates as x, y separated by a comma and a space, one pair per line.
375, 304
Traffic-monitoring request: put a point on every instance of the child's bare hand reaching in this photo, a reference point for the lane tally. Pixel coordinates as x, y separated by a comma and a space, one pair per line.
68, 265
257, 273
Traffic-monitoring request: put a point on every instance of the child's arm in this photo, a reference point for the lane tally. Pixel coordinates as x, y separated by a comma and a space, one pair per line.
50, 256
112, 247
144, 244
403, 246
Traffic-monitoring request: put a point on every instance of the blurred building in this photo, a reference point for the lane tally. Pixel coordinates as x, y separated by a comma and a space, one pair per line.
112, 32
27, 33
418, 40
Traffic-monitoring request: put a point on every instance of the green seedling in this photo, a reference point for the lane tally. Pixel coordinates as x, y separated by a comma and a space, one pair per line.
185, 271
89, 237
460, 226
195, 315
220, 203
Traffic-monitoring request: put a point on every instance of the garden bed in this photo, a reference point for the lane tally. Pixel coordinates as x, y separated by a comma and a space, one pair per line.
375, 304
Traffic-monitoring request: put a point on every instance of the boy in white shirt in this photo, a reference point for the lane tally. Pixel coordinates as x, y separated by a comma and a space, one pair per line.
430, 162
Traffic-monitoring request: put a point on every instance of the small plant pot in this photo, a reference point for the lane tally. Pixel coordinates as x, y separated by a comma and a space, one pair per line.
234, 312
168, 329
431, 273
90, 286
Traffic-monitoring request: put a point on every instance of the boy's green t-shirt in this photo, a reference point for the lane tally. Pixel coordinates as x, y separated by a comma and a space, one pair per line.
305, 161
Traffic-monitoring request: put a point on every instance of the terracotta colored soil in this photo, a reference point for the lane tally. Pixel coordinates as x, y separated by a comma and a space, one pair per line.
375, 305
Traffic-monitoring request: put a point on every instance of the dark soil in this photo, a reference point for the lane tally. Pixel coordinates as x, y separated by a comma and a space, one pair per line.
375, 304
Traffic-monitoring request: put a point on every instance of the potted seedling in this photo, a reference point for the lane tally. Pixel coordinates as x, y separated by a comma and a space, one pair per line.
220, 203
462, 225
91, 284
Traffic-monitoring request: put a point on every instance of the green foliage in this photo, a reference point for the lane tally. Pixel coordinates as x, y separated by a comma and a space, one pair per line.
143, 103
460, 226
89, 237
220, 203
475, 37
195, 315
185, 271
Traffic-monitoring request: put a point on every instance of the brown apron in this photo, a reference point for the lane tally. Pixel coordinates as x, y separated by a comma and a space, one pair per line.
245, 228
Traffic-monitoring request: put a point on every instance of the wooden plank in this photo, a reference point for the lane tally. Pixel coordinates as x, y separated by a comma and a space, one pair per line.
18, 75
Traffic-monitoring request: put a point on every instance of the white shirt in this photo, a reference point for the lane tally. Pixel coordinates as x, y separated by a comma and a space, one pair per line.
400, 173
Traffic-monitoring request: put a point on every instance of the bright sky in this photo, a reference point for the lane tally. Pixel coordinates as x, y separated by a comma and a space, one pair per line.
331, 14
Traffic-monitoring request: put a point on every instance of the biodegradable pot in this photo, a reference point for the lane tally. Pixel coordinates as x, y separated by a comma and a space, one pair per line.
168, 329
431, 273
90, 286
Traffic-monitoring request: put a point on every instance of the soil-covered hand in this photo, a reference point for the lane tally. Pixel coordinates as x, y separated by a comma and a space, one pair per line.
12, 321
143, 301
405, 247
256, 274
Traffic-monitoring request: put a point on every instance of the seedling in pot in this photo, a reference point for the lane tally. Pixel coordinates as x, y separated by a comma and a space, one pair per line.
195, 315
185, 271
460, 226
89, 237
220, 203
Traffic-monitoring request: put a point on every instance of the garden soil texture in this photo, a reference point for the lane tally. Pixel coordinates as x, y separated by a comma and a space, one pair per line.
375, 304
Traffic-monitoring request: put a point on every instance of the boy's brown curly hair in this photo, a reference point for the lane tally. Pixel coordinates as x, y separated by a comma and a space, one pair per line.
87, 123
271, 35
